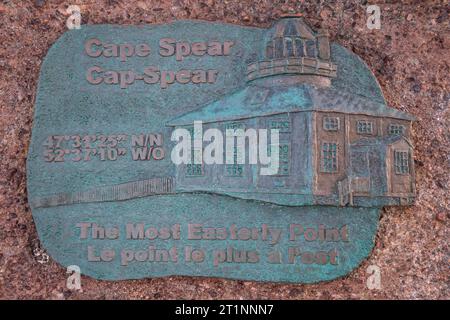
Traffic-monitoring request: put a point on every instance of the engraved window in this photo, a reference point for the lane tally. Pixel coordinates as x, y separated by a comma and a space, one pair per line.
279, 48
299, 47
269, 50
331, 123
396, 129
401, 162
235, 169
329, 157
364, 127
194, 169
289, 47
284, 158
282, 125
311, 50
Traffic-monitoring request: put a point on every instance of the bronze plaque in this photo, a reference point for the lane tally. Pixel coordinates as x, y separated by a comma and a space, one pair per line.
209, 149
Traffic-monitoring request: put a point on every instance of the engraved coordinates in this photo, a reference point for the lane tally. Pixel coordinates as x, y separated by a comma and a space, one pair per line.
79, 148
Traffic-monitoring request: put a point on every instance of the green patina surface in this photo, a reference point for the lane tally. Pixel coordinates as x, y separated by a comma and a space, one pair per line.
68, 105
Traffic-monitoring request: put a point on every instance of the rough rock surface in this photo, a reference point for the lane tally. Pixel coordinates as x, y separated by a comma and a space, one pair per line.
410, 57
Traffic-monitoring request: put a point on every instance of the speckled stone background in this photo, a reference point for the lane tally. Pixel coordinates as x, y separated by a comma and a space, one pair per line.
410, 56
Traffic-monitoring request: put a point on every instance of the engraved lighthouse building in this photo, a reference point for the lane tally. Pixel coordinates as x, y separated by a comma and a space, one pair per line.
340, 144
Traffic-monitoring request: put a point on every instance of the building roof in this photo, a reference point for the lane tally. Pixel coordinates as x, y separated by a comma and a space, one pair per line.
256, 101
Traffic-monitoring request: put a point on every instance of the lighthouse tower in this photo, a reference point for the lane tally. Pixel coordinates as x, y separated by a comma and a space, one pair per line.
293, 49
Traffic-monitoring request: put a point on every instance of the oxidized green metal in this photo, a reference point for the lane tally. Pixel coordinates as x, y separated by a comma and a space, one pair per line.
107, 196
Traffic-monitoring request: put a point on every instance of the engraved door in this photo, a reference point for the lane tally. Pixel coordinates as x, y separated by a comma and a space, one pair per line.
360, 172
